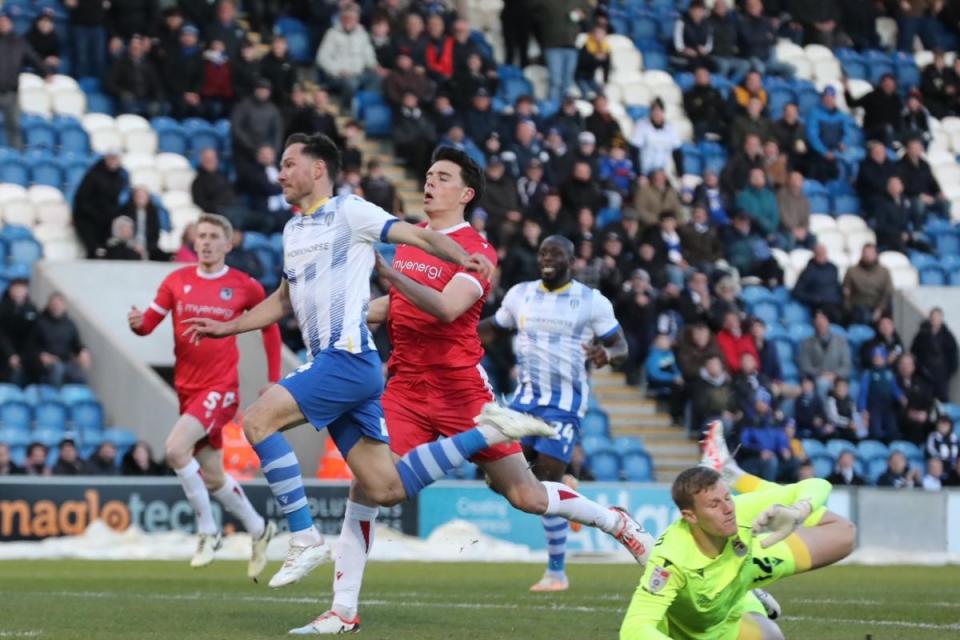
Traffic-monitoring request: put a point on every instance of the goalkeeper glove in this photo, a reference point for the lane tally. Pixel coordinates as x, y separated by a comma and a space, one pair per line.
780, 521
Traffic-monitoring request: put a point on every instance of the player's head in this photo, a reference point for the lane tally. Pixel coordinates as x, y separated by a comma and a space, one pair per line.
214, 234
555, 260
705, 502
309, 167
454, 182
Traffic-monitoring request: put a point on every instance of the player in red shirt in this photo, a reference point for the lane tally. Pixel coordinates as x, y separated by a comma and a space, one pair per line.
432, 315
207, 384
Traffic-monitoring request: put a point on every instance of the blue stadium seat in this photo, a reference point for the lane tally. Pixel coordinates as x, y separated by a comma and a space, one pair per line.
593, 444
14, 171
70, 394
790, 371
595, 423
869, 449
823, 464
811, 187
34, 394
778, 98
203, 139
509, 71
920, 260
798, 331
16, 414
907, 74
845, 204
644, 28
856, 69
49, 436
90, 437
857, 334
813, 447
875, 468
819, 203
836, 446
378, 120
907, 448
15, 436
692, 160
73, 139
174, 141
513, 88
605, 465
933, 276
952, 410
807, 99
121, 438
754, 294
766, 310
90, 84
948, 243
40, 135
608, 215
48, 173
638, 467
87, 415
11, 393
98, 102
786, 350
25, 251
50, 414
654, 59
298, 38
627, 444
795, 313
637, 111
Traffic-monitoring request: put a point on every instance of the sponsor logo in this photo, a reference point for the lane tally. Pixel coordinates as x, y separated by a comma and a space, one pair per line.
226, 293
658, 580
433, 272
204, 310
319, 246
739, 548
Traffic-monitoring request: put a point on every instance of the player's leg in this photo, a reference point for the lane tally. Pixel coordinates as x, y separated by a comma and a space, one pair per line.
717, 456
179, 447
756, 626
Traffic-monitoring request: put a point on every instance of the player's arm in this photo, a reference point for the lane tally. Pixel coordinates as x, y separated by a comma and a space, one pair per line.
143, 323
504, 320
657, 590
379, 309
439, 245
268, 312
460, 294
610, 345
780, 511
272, 345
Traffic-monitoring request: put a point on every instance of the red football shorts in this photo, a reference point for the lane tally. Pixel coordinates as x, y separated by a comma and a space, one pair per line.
422, 407
214, 408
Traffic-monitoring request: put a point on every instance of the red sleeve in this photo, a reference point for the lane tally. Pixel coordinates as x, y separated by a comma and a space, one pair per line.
271, 334
159, 308
478, 246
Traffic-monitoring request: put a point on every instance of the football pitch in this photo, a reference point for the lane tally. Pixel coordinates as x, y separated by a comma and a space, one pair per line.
122, 600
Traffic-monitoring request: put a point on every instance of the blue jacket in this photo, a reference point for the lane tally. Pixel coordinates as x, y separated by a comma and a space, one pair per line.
769, 364
762, 206
766, 436
818, 284
620, 173
661, 366
878, 390
827, 129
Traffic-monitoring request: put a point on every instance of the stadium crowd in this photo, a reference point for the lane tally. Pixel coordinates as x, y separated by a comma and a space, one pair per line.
688, 267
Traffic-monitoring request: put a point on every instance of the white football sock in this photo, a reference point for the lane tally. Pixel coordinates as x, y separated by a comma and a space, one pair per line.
564, 501
356, 541
198, 496
234, 500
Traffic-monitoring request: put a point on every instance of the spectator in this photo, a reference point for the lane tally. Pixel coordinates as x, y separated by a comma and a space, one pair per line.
525, 147
465, 46
935, 349
736, 173
939, 86
445, 117
769, 358
616, 264
167, 39
520, 264
586, 151
859, 19
709, 195
667, 248
218, 90
751, 87
712, 395
734, 343
256, 122
69, 463
636, 308
480, 120
898, 475
746, 383
725, 301
211, 190
517, 19
748, 253
405, 79
705, 107
695, 300
601, 123
384, 45
259, 183
881, 107
186, 253
775, 164
36, 462
761, 204
656, 140
825, 355
568, 121
828, 128
500, 198
757, 36
580, 190
943, 444
122, 244
7, 466
413, 40
142, 211
104, 461
700, 241
919, 183
378, 189
87, 37
845, 472
593, 56
809, 412
878, 393
842, 412
791, 135
560, 23
916, 417
887, 337
818, 286
346, 57
56, 340
18, 316
96, 201
182, 68
894, 221
139, 462
914, 19
135, 82
439, 50
726, 56
794, 207
692, 37
663, 376
875, 172
933, 478
413, 134
750, 121
227, 29
915, 119
765, 447
279, 69
16, 53
695, 346
471, 78
316, 118
45, 42
243, 259
656, 196
351, 151
538, 198
867, 288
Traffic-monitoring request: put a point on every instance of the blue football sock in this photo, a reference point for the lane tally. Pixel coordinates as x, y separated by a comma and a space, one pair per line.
282, 470
430, 462
556, 530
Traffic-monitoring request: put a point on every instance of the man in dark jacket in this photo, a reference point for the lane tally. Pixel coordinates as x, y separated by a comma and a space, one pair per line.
875, 170
480, 120
378, 189
183, 74
560, 22
692, 37
881, 109
500, 198
18, 316
581, 190
69, 462
818, 286
705, 106
700, 241
935, 349
280, 70
887, 337
939, 86
845, 473
88, 36
225, 28
135, 82
919, 182
736, 173
314, 118
255, 122
725, 55
895, 220
56, 340
96, 201
414, 134
258, 181
212, 191
757, 37
15, 53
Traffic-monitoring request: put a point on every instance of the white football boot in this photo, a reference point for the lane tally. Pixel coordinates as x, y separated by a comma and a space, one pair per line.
633, 536
328, 623
207, 545
551, 583
716, 455
258, 552
513, 424
299, 562
769, 603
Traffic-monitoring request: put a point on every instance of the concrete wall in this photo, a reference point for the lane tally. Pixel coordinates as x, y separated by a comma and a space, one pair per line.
912, 306
99, 294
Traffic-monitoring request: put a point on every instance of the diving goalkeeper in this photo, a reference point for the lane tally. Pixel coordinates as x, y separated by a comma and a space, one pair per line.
699, 580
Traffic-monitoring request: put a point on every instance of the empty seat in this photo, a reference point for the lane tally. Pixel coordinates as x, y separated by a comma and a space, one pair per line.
595, 423
19, 212
637, 466
50, 415
87, 414
140, 141
16, 414
604, 465
128, 122
53, 213
178, 179
68, 102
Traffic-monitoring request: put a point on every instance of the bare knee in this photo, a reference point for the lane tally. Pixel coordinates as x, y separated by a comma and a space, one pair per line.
385, 494
528, 497
177, 455
257, 427
846, 535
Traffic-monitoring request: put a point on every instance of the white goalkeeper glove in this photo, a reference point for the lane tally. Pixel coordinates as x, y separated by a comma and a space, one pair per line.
780, 521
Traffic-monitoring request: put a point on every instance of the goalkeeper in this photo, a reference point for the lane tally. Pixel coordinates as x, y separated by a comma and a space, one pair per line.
699, 580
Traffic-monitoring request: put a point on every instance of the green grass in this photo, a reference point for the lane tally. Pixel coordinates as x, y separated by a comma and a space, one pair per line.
133, 600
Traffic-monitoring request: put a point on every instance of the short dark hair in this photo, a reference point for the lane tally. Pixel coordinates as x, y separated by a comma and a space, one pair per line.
470, 172
320, 147
691, 482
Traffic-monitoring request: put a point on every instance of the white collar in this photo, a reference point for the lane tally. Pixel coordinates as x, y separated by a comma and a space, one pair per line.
212, 276
454, 228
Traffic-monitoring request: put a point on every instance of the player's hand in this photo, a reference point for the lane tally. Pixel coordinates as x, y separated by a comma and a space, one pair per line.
780, 521
199, 328
597, 354
134, 318
480, 265
384, 268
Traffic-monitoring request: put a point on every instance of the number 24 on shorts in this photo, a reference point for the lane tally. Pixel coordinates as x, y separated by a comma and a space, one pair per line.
566, 433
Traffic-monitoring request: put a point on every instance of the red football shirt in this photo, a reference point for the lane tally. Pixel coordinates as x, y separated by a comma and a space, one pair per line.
421, 341
211, 363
